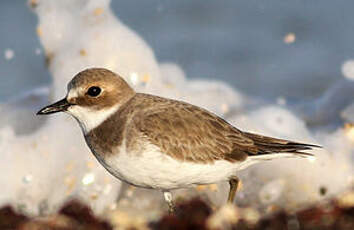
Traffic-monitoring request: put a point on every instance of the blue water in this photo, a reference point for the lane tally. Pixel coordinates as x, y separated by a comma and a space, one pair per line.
240, 42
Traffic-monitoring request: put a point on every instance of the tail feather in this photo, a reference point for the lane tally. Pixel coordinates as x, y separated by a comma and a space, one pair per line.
269, 145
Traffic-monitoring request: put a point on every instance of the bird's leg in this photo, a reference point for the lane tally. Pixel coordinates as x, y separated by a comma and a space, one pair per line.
168, 199
233, 181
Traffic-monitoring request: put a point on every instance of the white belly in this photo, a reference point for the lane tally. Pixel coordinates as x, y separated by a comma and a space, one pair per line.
153, 169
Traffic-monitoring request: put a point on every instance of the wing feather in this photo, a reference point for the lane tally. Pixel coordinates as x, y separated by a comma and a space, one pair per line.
189, 133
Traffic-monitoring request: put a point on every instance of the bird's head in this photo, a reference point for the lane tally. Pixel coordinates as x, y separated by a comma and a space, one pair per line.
93, 95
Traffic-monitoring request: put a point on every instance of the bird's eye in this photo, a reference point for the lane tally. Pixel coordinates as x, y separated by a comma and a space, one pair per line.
94, 91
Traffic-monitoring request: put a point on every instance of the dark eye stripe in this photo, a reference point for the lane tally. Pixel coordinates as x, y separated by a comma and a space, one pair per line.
93, 91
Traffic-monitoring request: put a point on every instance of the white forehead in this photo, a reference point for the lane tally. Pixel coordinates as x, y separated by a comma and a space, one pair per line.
73, 93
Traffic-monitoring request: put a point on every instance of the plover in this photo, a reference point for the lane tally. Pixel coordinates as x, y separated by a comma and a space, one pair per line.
159, 143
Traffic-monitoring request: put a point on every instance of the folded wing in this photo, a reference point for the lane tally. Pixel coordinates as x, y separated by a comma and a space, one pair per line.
189, 133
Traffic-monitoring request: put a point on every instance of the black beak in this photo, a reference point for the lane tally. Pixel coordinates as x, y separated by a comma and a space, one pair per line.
59, 106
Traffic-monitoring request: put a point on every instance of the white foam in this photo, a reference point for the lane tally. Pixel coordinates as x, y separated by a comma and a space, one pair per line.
348, 69
9, 54
48, 165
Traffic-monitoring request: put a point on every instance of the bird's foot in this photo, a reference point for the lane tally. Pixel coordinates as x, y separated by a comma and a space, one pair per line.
171, 208
168, 198
233, 181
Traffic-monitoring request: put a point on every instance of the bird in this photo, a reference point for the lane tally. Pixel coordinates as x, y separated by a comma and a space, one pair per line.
159, 143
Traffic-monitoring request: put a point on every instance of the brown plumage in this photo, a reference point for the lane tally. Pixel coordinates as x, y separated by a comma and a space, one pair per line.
108, 81
131, 134
185, 132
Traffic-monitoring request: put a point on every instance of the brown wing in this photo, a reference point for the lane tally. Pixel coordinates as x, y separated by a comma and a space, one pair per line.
189, 133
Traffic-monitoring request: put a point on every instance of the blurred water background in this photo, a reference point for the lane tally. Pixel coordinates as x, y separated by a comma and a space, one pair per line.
240, 42
290, 63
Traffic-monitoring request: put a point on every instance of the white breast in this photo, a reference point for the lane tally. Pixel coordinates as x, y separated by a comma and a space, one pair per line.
153, 169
